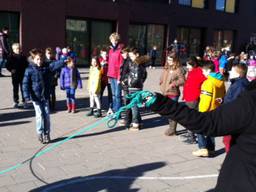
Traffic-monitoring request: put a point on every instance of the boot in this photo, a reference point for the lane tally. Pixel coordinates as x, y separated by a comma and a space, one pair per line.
47, 138
73, 108
172, 128
90, 113
98, 113
69, 107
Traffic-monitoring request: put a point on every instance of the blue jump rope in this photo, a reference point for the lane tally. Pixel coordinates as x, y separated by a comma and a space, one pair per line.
141, 98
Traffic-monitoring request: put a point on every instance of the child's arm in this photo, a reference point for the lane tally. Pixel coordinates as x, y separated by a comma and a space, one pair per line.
79, 80
26, 84
205, 97
56, 65
227, 119
62, 78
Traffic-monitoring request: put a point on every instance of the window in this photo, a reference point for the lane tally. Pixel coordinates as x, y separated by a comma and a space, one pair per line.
194, 3
12, 21
223, 38
145, 36
190, 41
86, 37
228, 6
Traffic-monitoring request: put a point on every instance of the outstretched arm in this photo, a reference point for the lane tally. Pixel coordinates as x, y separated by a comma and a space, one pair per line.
228, 119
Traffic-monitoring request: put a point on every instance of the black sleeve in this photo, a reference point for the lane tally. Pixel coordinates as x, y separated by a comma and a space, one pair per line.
9, 64
228, 119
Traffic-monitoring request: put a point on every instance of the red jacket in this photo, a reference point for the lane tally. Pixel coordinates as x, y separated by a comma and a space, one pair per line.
115, 61
104, 70
192, 87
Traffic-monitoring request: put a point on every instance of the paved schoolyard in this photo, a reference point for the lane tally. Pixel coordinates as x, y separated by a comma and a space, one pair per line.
103, 159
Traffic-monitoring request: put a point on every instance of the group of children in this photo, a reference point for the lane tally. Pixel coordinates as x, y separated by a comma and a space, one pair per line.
203, 90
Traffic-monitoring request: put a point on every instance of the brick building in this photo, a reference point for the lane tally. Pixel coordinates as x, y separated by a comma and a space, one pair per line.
86, 24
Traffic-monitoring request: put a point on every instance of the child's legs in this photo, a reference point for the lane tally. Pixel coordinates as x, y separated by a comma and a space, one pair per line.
136, 114
46, 116
97, 101
210, 143
39, 117
201, 141
91, 100
15, 85
68, 90
110, 97
72, 95
102, 89
21, 90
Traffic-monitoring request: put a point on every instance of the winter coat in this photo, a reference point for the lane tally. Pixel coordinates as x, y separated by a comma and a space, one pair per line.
66, 78
37, 80
137, 72
4, 47
192, 86
94, 80
18, 64
124, 73
236, 118
104, 70
171, 80
237, 86
115, 61
212, 88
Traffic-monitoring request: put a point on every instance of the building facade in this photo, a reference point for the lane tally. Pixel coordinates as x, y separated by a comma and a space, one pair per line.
85, 25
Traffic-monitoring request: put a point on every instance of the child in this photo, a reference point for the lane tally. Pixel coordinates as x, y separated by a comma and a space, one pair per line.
94, 87
16, 64
70, 80
124, 71
137, 75
104, 79
49, 57
191, 90
212, 88
239, 84
36, 87
171, 80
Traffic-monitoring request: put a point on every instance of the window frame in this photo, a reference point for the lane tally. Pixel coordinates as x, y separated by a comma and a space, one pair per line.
225, 7
206, 5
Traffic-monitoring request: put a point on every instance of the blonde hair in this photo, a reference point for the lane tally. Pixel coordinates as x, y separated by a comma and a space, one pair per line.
15, 45
115, 36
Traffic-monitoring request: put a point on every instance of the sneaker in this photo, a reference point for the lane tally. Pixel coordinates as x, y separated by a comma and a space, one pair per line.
135, 127
110, 112
201, 153
189, 140
40, 138
47, 138
1, 75
16, 105
25, 106
121, 122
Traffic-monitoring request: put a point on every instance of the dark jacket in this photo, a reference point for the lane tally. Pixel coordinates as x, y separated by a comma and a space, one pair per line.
137, 72
238, 172
124, 73
236, 88
37, 81
4, 47
18, 64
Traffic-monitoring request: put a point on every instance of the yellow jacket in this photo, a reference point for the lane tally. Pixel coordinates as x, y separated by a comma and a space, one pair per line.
94, 80
212, 88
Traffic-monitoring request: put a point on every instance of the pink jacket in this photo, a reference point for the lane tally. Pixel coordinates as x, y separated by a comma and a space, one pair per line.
115, 61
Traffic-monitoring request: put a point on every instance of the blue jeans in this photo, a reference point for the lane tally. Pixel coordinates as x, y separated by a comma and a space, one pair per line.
42, 117
2, 64
71, 95
206, 142
116, 94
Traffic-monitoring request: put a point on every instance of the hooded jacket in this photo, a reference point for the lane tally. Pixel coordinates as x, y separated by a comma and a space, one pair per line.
66, 78
37, 80
94, 81
193, 83
137, 73
212, 88
171, 80
115, 61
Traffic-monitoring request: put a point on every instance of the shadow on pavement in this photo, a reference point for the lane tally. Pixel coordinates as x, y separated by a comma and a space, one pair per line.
147, 124
17, 115
13, 123
117, 180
